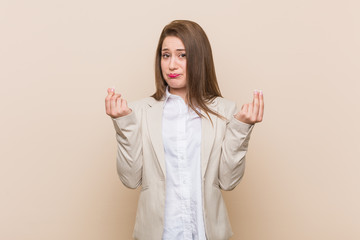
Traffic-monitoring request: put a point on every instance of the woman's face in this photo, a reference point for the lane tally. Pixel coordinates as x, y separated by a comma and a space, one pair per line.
173, 64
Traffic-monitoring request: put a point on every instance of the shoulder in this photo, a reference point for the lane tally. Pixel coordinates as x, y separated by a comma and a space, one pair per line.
142, 103
224, 106
220, 101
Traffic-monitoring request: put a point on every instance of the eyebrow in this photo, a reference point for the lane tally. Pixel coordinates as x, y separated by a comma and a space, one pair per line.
166, 49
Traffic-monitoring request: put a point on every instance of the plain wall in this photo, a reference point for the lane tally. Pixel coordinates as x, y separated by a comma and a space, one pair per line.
58, 175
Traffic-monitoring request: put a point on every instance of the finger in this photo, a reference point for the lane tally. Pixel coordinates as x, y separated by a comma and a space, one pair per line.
256, 104
124, 104
125, 110
118, 104
113, 102
245, 108
261, 110
250, 108
111, 92
121, 106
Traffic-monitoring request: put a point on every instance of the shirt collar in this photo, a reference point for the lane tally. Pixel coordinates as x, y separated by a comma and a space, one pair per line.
169, 95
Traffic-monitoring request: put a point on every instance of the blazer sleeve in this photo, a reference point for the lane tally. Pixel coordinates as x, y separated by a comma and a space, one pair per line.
129, 157
234, 148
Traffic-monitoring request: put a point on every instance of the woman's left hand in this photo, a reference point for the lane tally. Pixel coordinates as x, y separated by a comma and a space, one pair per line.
252, 113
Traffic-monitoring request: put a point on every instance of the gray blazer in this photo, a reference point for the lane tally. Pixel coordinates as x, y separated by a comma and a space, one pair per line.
140, 161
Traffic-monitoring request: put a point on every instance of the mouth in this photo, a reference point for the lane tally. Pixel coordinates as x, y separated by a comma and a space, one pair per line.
173, 75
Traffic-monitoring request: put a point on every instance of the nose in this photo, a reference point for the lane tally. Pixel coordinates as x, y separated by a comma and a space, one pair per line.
172, 63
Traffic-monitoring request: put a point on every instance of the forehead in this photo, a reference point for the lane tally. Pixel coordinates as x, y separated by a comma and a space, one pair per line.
172, 43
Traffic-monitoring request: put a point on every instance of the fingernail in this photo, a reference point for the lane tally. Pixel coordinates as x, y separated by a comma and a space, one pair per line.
255, 91
112, 89
261, 93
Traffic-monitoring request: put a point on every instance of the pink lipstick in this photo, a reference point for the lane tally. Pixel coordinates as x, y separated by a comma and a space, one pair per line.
174, 75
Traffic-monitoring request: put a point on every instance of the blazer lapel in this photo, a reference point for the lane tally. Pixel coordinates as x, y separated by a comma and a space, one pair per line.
207, 137
154, 121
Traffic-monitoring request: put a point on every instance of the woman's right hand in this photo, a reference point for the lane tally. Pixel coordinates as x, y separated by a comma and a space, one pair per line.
116, 106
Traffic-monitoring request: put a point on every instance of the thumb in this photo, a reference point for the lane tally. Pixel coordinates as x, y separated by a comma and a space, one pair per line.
110, 90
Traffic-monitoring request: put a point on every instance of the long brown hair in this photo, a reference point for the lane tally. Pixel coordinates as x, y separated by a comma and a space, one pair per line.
202, 86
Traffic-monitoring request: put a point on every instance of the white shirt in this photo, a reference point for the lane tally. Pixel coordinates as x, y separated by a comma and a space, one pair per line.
181, 131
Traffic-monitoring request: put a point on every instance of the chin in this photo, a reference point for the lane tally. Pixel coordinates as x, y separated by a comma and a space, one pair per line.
175, 85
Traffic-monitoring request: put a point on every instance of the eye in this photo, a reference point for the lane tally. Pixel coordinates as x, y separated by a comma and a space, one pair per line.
165, 55
182, 55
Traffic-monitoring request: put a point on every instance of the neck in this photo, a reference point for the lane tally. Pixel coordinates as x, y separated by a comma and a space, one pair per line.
179, 92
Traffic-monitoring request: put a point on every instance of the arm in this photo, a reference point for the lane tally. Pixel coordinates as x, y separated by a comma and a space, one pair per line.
128, 136
236, 140
234, 148
129, 150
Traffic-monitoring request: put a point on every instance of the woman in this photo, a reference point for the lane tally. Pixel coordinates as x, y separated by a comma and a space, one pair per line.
184, 143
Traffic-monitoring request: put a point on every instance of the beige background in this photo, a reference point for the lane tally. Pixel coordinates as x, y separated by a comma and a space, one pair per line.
57, 58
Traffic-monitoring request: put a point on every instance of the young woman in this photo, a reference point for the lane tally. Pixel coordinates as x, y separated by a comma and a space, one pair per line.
185, 143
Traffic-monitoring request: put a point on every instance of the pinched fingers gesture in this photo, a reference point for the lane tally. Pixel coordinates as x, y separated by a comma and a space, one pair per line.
252, 113
115, 105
